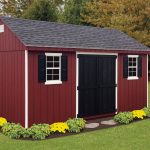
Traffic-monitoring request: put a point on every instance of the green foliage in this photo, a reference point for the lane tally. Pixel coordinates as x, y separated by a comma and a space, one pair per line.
130, 16
76, 124
39, 131
13, 130
72, 10
124, 117
147, 111
14, 8
43, 10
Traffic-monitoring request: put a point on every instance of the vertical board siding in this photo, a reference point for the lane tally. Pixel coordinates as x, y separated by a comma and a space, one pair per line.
51, 103
132, 94
12, 86
9, 41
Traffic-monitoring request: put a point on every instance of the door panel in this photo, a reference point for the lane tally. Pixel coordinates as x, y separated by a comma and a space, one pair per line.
96, 85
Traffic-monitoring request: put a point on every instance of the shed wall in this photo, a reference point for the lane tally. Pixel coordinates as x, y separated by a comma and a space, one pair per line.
9, 41
132, 94
12, 86
51, 103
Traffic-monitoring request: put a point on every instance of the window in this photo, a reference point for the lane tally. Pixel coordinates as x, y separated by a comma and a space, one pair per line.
133, 66
1, 28
53, 68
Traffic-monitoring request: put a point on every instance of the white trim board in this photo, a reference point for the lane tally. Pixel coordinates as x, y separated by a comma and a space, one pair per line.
26, 89
147, 81
77, 77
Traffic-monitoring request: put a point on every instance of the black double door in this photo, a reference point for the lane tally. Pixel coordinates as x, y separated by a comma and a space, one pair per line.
97, 85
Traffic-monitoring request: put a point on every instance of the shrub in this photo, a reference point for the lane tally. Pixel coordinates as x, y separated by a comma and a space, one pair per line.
2, 121
76, 124
147, 111
124, 117
60, 127
12, 130
38, 131
139, 114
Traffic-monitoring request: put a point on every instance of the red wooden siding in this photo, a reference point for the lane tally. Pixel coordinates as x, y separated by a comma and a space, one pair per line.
9, 41
51, 103
12, 86
132, 94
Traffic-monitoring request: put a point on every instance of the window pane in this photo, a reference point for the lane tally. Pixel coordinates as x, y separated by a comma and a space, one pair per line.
134, 64
56, 58
130, 59
49, 58
134, 59
130, 63
49, 64
55, 77
130, 73
56, 71
49, 77
49, 71
56, 64
134, 73
134, 69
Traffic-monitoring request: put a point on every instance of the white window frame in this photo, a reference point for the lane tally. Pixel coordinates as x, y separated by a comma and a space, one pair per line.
133, 77
54, 81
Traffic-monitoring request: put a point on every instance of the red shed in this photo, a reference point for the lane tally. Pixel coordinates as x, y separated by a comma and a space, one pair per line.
52, 71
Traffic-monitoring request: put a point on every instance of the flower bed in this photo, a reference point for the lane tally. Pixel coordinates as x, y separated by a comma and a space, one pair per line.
41, 131
127, 117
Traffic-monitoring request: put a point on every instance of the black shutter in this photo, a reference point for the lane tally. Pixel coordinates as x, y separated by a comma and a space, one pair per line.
64, 68
140, 66
125, 66
42, 68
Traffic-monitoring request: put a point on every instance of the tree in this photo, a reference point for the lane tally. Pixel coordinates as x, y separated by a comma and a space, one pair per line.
72, 10
130, 16
14, 8
44, 10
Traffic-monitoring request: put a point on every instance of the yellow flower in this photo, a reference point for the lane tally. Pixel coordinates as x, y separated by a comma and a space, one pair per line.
60, 127
138, 114
2, 121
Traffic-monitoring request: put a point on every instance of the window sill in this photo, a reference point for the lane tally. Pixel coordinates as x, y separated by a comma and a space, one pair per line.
53, 82
132, 78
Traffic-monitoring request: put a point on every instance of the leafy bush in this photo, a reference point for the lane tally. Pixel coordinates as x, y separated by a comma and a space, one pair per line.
147, 111
60, 127
139, 114
38, 131
12, 130
2, 121
124, 117
76, 124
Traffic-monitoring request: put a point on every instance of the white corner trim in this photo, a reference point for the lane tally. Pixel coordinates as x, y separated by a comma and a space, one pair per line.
26, 89
147, 81
116, 100
77, 84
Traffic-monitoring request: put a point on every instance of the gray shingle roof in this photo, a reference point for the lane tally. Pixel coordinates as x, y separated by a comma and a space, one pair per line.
50, 34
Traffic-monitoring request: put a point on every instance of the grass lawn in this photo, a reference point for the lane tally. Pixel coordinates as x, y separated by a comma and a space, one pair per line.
126, 137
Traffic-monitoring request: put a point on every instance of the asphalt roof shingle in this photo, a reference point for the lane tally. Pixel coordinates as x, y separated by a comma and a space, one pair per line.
50, 34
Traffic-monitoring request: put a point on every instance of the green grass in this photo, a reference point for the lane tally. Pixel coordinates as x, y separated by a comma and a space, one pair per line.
135, 136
